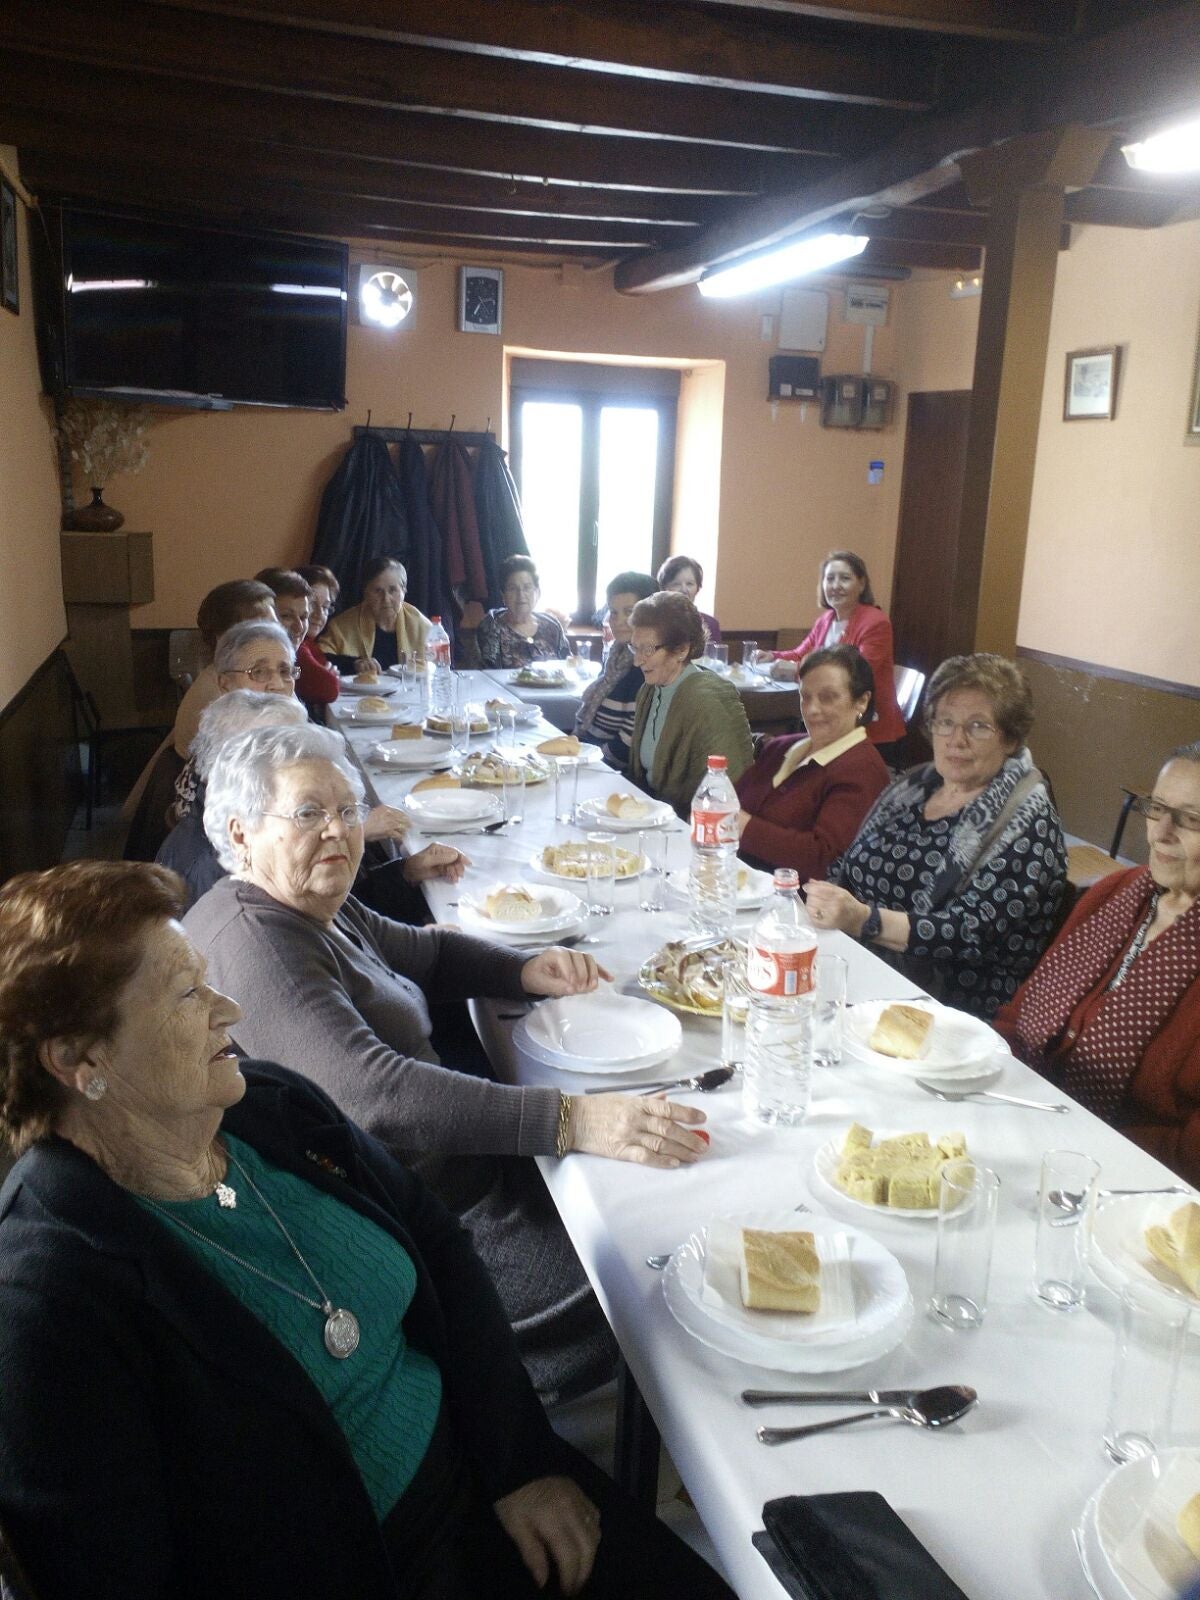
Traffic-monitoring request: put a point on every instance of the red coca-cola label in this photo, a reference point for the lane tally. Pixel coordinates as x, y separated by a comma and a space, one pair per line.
781, 973
711, 828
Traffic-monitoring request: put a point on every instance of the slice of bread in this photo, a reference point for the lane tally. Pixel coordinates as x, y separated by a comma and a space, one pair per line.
780, 1271
511, 902
901, 1032
1177, 1245
405, 730
1187, 1525
436, 780
627, 806
366, 677
565, 745
373, 702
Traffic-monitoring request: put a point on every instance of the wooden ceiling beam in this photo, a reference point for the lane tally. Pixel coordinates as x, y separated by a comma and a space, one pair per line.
1031, 21
919, 253
672, 41
371, 72
1117, 208
173, 111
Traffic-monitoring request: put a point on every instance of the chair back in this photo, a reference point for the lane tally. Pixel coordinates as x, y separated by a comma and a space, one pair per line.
185, 656
909, 685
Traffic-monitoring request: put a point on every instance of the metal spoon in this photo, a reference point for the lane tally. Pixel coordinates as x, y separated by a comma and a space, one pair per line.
931, 1408
987, 1094
705, 1082
1072, 1205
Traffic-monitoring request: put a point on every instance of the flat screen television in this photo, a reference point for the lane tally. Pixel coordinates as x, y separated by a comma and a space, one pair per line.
189, 315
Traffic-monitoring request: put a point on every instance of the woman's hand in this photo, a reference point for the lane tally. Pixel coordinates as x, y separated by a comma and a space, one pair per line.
654, 1132
832, 907
385, 822
784, 671
367, 664
556, 971
436, 861
551, 1519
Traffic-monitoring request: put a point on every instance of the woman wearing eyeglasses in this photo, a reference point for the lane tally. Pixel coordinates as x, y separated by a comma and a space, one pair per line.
343, 995
1111, 1013
256, 655
957, 873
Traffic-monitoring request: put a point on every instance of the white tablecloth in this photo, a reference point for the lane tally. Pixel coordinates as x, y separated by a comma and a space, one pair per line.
995, 1497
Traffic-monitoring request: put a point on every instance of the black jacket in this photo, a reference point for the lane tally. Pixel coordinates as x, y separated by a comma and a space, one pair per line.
157, 1441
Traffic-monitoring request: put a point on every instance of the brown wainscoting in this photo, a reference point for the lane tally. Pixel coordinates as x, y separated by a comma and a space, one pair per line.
40, 783
1099, 729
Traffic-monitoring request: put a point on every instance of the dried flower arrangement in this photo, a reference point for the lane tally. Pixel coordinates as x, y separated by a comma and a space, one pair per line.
104, 438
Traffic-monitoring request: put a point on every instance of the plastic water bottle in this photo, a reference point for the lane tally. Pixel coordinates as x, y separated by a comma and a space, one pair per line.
713, 877
779, 1032
437, 652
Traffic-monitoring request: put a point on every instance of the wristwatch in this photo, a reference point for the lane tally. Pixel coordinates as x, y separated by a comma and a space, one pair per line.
872, 927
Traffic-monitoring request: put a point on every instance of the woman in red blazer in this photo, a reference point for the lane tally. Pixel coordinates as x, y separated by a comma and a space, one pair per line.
805, 797
852, 617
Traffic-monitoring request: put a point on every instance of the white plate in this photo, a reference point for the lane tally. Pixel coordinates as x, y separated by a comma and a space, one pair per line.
825, 1165
413, 755
603, 1028
548, 936
382, 688
556, 679
559, 907
594, 814
1100, 1578
595, 1069
956, 1040
754, 891
535, 862
1118, 1253
364, 718
589, 756
479, 728
440, 806
1142, 1554
883, 1302
524, 712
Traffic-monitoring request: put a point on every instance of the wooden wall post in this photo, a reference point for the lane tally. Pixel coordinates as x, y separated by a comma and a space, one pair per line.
1023, 181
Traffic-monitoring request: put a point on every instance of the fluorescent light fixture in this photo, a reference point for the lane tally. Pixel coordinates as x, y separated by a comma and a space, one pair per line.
781, 265
328, 290
85, 285
1175, 149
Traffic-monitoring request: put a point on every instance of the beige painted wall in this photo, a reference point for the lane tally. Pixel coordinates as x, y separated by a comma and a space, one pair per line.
225, 493
32, 622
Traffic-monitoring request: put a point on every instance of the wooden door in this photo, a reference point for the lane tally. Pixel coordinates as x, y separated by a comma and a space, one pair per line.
928, 626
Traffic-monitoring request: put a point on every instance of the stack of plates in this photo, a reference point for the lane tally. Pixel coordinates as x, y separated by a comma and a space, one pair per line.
447, 809
382, 687
362, 718
877, 1317
958, 1045
754, 887
563, 914
602, 1033
413, 755
594, 814
1127, 1541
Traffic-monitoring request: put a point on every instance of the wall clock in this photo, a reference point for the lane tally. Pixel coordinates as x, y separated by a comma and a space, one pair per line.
480, 299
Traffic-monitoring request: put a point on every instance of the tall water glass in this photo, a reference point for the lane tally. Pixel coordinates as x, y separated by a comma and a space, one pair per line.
506, 725
829, 1007
514, 791
966, 1231
566, 788
1151, 1334
1066, 1203
602, 873
478, 725
749, 651
777, 1072
735, 1002
653, 844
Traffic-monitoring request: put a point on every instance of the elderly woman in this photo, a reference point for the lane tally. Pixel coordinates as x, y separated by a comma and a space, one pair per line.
1111, 1012
806, 795
318, 684
850, 616
376, 634
683, 714
606, 711
684, 575
256, 655
245, 1352
957, 873
243, 600
324, 590
343, 995
516, 634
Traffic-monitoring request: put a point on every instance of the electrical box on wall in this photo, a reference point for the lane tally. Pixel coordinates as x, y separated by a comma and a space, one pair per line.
842, 401
794, 378
803, 317
877, 403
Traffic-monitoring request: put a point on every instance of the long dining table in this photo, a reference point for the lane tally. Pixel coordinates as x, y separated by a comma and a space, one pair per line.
995, 1497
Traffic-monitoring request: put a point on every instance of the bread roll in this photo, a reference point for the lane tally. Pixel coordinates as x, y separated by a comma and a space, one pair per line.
512, 903
565, 745
373, 702
902, 1032
780, 1271
1187, 1524
437, 780
627, 806
405, 730
366, 677
1177, 1245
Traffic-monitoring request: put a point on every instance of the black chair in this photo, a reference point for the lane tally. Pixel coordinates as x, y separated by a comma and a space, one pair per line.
90, 731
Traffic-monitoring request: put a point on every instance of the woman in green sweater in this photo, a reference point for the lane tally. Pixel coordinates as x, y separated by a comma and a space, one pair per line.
684, 714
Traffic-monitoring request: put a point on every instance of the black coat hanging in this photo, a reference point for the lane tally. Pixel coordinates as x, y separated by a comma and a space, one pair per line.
362, 516
498, 512
426, 568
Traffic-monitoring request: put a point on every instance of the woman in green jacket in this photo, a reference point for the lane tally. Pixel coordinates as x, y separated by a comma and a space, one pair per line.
684, 713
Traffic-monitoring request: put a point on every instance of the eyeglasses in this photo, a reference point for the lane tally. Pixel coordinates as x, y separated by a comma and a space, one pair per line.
266, 674
308, 819
976, 732
643, 652
1155, 810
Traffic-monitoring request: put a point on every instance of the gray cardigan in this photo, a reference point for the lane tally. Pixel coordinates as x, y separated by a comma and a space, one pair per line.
348, 1008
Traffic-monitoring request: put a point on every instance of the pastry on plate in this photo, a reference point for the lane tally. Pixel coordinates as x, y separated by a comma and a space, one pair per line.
629, 807
692, 978
405, 730
780, 1271
373, 702
902, 1032
1187, 1525
511, 902
1177, 1245
571, 860
903, 1172
565, 745
436, 780
366, 678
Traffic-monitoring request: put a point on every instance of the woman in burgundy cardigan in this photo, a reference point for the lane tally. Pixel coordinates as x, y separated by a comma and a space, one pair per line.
852, 617
805, 797
1111, 1012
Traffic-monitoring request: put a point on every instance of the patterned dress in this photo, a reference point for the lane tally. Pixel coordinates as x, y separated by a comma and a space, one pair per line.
500, 645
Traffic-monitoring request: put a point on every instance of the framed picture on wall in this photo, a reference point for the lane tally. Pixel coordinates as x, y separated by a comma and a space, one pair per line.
1091, 384
10, 289
1193, 427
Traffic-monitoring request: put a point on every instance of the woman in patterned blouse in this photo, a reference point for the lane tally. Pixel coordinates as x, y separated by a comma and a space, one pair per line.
515, 633
957, 873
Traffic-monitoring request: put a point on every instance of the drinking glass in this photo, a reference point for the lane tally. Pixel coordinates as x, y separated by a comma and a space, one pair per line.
460, 733
829, 1007
735, 1001
1151, 1335
476, 717
966, 1230
1066, 1203
506, 725
514, 791
602, 873
749, 651
566, 788
653, 844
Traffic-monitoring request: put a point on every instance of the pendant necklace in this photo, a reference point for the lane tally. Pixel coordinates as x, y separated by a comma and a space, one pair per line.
342, 1332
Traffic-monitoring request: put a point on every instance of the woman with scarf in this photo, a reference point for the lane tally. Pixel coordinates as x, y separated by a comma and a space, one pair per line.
957, 873
1111, 1013
605, 715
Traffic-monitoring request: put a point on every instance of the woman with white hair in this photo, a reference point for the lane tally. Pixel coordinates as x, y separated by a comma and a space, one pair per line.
342, 995
256, 655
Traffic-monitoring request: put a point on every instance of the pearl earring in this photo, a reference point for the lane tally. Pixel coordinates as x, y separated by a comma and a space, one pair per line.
97, 1087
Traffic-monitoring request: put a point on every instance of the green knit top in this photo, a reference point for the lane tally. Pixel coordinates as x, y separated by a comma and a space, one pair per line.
385, 1397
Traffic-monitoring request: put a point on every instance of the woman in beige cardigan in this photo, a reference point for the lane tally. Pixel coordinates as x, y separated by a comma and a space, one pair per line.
377, 633
684, 714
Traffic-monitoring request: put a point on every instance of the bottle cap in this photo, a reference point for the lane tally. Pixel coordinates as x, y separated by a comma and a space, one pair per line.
786, 878
717, 763
438, 620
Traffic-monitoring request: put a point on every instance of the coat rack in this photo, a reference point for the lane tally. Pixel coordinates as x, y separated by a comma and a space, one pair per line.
425, 435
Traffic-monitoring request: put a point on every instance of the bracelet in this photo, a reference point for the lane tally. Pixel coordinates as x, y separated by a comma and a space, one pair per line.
562, 1142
